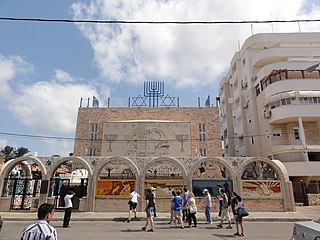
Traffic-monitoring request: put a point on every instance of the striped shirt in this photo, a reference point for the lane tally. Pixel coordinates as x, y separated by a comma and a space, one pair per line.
40, 230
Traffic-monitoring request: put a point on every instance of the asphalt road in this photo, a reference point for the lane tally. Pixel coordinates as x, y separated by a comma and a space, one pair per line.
96, 230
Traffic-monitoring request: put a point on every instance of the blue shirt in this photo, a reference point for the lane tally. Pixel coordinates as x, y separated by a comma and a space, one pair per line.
177, 203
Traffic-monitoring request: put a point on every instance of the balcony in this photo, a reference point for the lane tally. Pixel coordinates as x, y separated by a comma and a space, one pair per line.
290, 113
271, 55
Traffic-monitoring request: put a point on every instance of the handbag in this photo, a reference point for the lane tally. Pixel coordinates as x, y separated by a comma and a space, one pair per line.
242, 212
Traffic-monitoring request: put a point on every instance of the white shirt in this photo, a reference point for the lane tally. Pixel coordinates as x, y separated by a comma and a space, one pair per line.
67, 201
40, 230
134, 196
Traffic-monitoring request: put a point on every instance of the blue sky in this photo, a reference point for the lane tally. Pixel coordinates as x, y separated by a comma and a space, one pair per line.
45, 68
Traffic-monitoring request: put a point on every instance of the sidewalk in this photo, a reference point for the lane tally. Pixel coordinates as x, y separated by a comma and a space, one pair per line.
301, 214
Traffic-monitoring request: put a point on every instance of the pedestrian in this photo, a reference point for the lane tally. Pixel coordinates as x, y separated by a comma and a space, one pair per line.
149, 211
220, 199
154, 201
177, 209
133, 202
67, 208
192, 210
233, 206
185, 211
41, 228
225, 212
239, 218
171, 207
208, 206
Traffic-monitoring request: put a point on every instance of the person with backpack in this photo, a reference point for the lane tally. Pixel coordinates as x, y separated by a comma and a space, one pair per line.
225, 212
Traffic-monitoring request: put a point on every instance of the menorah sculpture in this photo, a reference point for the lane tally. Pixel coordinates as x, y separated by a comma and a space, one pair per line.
153, 90
110, 138
182, 138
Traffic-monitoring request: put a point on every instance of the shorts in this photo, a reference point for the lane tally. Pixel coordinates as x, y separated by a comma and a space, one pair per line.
225, 214
150, 212
238, 219
177, 214
133, 205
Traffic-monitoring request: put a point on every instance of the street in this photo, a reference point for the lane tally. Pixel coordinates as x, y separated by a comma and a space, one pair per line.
96, 230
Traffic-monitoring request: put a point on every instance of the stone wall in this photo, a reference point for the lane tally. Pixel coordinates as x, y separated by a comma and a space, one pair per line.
313, 199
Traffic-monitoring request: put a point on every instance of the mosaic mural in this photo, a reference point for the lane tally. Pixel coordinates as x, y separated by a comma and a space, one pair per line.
115, 187
146, 139
164, 187
261, 189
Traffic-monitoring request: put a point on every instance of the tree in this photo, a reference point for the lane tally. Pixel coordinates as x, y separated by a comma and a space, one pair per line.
12, 152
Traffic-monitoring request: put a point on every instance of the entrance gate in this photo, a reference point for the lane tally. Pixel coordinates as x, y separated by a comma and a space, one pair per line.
22, 191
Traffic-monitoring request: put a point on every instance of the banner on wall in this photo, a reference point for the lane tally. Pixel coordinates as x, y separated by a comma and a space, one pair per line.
115, 187
261, 189
164, 187
198, 185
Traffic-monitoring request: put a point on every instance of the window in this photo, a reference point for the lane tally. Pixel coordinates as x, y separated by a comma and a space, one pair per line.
202, 132
252, 140
94, 132
276, 133
202, 152
296, 134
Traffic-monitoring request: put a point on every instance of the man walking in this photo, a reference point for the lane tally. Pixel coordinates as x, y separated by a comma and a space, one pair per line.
41, 228
185, 211
225, 212
149, 211
208, 205
133, 204
68, 208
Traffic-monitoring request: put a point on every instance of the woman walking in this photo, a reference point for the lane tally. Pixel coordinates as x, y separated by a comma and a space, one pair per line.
238, 218
192, 210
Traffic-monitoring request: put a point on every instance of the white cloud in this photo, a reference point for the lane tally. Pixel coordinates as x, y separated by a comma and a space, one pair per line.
50, 106
62, 76
11, 67
189, 56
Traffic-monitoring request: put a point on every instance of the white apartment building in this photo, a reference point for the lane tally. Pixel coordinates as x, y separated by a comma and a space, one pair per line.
270, 104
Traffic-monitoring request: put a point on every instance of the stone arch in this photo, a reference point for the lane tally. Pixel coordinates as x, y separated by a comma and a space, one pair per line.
209, 173
80, 185
168, 174
267, 194
59, 161
8, 166
221, 161
275, 165
113, 191
123, 160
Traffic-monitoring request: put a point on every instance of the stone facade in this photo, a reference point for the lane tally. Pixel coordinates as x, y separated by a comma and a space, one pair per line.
98, 118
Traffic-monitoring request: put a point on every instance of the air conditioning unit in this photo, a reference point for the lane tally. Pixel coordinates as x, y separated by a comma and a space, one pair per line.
245, 105
267, 114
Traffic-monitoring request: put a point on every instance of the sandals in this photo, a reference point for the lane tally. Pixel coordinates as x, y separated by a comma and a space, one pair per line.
219, 226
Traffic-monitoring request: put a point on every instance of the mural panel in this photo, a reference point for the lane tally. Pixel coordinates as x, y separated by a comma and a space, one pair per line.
164, 187
212, 185
146, 139
261, 189
115, 187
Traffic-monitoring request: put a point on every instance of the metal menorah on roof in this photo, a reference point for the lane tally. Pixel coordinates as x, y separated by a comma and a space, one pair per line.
154, 91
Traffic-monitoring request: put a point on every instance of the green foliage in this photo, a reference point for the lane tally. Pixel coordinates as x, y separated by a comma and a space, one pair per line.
11, 152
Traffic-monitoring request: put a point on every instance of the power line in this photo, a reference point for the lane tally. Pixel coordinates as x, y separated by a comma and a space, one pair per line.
153, 22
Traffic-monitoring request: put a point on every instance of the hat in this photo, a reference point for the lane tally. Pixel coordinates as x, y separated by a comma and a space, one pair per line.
205, 190
152, 188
